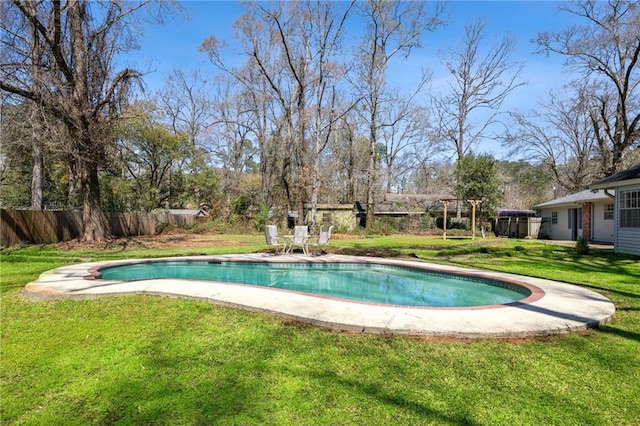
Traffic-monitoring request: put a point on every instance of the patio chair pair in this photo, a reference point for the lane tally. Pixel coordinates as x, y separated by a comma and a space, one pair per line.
300, 238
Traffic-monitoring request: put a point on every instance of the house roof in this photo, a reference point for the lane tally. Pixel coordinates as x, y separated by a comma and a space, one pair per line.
516, 212
412, 203
397, 209
586, 196
416, 198
405, 204
629, 177
331, 206
189, 212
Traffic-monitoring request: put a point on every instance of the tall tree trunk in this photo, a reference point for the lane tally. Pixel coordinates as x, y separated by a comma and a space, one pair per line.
95, 225
351, 174
73, 182
315, 168
36, 121
460, 149
37, 152
371, 169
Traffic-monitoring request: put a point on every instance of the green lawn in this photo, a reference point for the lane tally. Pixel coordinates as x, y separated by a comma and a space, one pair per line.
146, 360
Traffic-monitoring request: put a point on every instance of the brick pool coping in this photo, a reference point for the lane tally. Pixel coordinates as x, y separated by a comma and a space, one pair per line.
551, 308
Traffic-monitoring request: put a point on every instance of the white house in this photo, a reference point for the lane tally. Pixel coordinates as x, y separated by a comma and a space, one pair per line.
626, 184
588, 214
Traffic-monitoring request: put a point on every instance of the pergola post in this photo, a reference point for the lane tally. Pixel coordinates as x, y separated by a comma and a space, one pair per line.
445, 203
474, 202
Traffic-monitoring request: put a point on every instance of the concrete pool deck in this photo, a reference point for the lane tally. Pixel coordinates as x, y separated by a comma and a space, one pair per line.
553, 308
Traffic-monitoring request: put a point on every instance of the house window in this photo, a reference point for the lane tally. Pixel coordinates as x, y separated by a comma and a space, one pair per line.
630, 209
554, 218
608, 212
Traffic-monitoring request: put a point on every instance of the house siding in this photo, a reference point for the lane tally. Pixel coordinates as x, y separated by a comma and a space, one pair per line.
560, 230
343, 217
602, 230
627, 240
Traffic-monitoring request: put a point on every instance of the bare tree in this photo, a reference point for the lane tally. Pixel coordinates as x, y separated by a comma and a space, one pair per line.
393, 28
605, 50
262, 113
479, 85
328, 107
185, 100
405, 133
289, 78
560, 135
37, 120
346, 177
230, 138
277, 75
78, 41
292, 47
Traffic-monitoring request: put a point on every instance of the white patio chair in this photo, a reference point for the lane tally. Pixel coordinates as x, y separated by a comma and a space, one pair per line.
271, 236
323, 238
300, 238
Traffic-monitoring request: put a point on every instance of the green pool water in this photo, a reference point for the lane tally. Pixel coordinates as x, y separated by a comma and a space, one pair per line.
371, 283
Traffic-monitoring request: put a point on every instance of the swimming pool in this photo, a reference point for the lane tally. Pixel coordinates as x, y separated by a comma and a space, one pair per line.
364, 282
552, 308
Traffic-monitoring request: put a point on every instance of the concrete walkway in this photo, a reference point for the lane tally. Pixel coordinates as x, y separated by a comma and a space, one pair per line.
552, 308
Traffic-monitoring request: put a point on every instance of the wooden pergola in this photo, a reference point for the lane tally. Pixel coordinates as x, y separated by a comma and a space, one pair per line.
474, 203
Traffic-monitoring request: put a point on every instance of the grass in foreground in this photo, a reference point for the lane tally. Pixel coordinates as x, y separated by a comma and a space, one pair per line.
159, 360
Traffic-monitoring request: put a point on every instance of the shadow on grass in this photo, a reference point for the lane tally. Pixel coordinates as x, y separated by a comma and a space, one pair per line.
180, 383
382, 395
367, 251
613, 291
590, 323
628, 309
625, 334
543, 265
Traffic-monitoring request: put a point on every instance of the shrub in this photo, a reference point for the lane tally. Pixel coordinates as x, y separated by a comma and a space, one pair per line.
241, 204
262, 217
582, 245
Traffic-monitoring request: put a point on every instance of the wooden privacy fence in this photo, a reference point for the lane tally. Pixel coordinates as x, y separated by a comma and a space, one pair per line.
49, 226
518, 227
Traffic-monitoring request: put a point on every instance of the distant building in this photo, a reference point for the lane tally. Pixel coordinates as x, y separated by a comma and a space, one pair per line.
401, 206
189, 212
342, 216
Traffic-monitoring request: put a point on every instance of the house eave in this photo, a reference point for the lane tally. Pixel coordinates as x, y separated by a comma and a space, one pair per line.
576, 200
613, 185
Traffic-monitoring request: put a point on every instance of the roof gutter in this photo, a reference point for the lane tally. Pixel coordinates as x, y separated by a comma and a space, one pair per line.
614, 184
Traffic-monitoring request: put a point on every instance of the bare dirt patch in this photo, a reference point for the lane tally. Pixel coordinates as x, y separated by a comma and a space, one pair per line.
190, 240
172, 240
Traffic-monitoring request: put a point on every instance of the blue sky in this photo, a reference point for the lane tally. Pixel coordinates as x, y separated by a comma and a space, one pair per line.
175, 44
